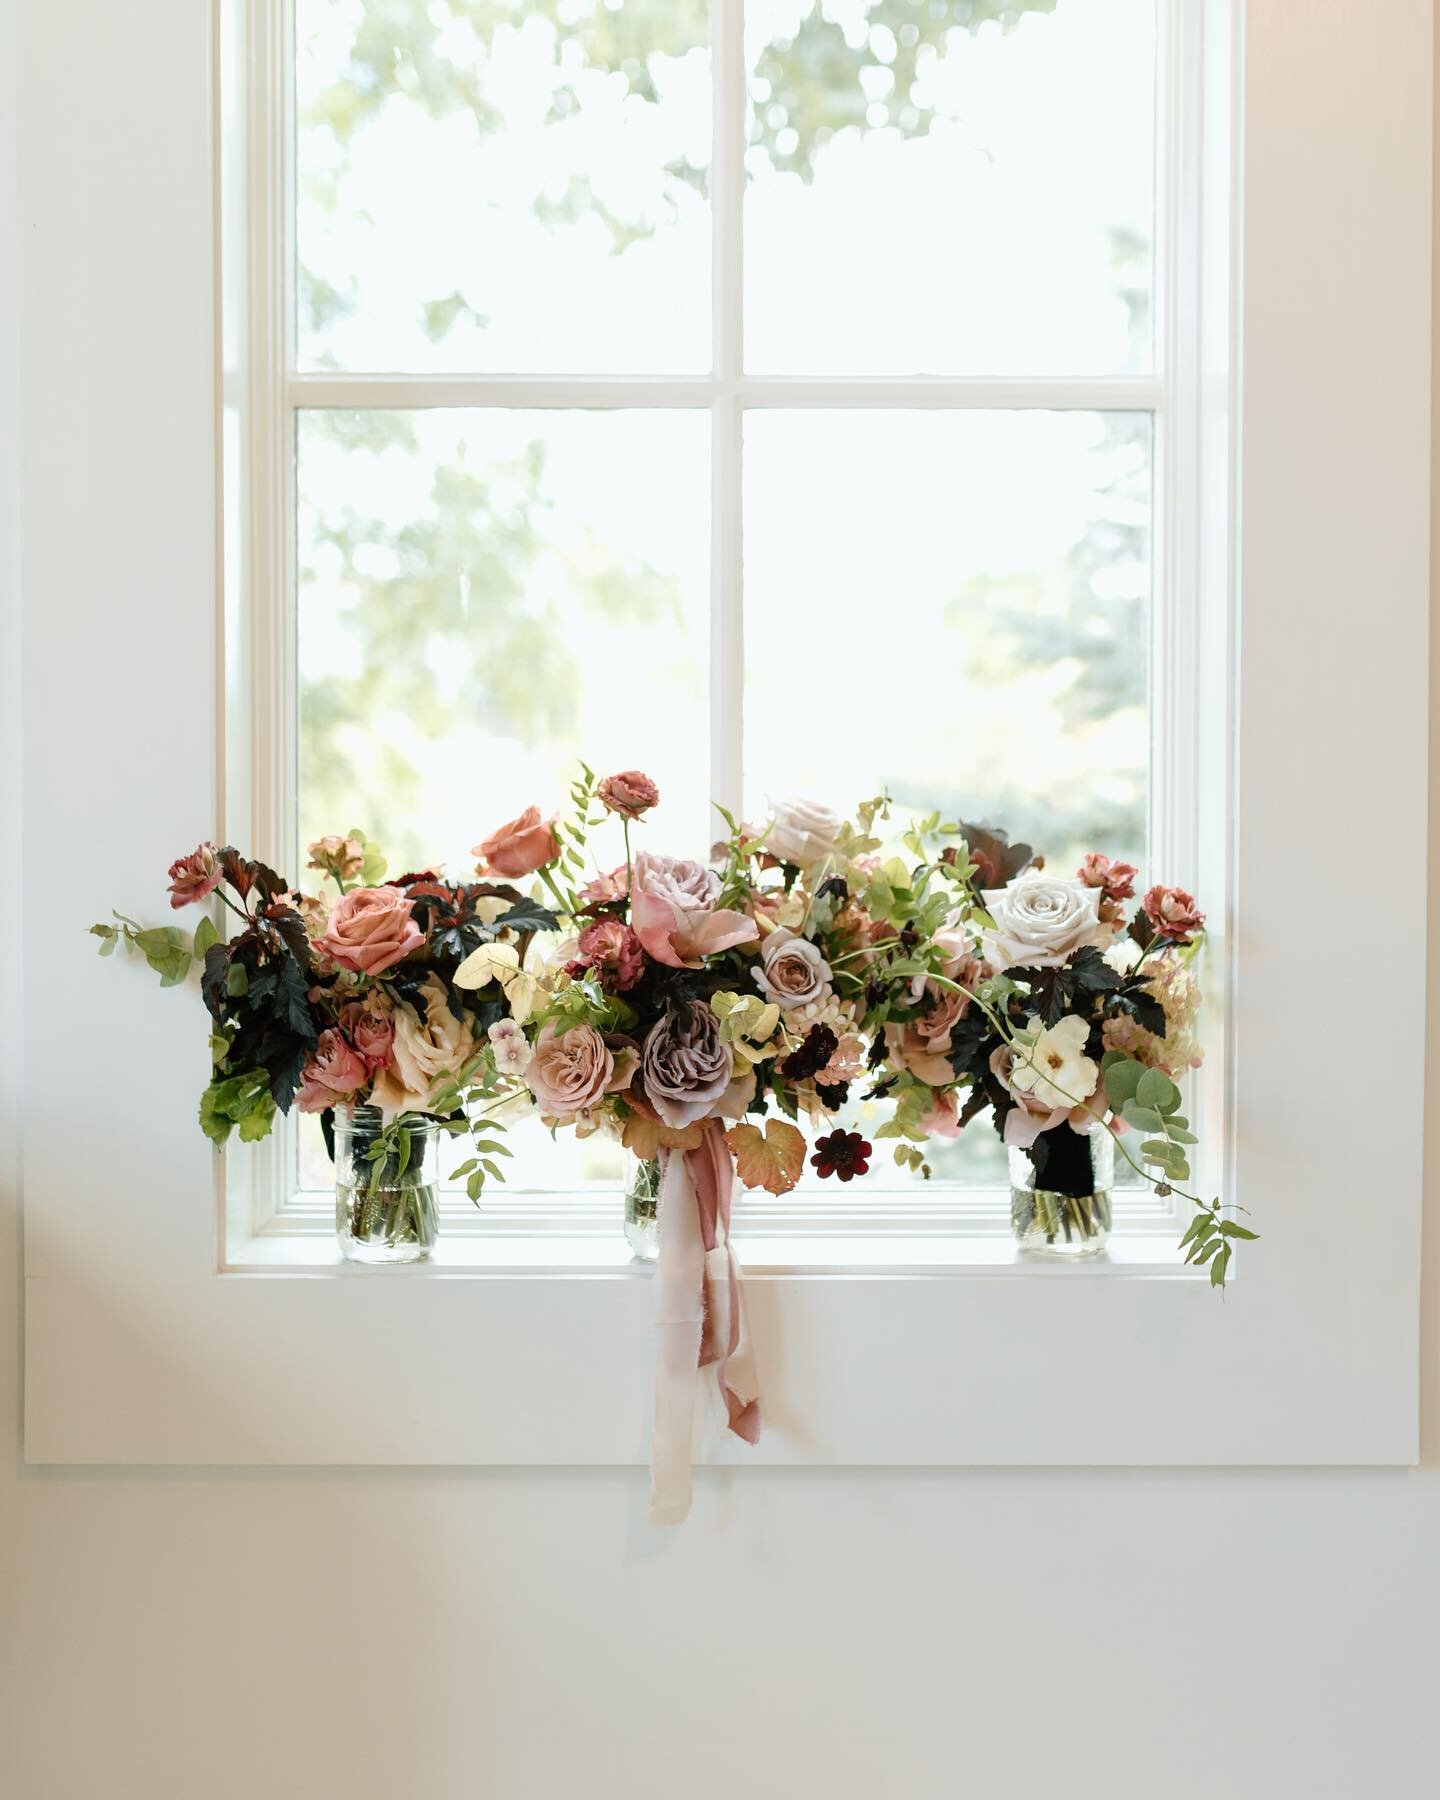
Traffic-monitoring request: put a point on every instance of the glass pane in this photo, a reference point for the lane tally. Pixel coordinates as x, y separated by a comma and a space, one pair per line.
957, 187
953, 607
503, 184
485, 596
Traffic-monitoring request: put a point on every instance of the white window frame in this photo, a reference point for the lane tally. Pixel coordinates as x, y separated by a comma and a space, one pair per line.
1189, 614
144, 1345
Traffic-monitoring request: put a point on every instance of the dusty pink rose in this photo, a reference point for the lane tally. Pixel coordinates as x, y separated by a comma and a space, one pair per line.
686, 1069
370, 929
521, 847
1116, 879
1173, 913
672, 908
629, 794
574, 1071
613, 948
943, 1118
923, 1045
334, 1070
605, 889
371, 1032
194, 877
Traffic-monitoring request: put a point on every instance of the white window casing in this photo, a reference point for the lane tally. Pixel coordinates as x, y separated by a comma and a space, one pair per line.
1295, 401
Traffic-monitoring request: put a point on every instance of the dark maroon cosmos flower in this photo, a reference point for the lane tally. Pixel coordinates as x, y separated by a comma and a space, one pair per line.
842, 1153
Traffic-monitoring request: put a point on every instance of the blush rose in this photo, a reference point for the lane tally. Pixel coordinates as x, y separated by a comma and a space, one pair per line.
521, 847
371, 929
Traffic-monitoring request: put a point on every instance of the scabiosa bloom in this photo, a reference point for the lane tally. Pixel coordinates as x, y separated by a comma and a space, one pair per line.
842, 1153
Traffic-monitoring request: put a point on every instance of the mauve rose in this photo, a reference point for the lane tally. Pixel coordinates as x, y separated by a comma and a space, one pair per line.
613, 948
1041, 921
1173, 912
521, 847
573, 1071
194, 877
686, 1069
332, 1073
370, 929
672, 909
792, 971
1116, 880
371, 1032
943, 1118
629, 794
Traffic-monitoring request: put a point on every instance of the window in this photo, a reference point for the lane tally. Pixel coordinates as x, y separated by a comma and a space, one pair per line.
149, 1339
647, 369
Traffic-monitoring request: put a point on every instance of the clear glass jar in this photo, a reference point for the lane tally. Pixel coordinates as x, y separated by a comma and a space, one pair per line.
1064, 1211
387, 1186
642, 1211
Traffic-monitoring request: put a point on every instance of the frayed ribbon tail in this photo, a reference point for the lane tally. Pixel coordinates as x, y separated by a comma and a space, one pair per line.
700, 1318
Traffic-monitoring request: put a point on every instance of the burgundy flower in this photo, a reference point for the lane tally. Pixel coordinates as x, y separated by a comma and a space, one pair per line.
195, 877
1173, 913
842, 1153
819, 1045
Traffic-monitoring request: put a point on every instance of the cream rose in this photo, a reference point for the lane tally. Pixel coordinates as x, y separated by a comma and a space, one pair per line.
802, 831
1040, 921
424, 1051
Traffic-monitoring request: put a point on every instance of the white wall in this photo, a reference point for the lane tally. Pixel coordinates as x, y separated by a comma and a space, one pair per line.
174, 1636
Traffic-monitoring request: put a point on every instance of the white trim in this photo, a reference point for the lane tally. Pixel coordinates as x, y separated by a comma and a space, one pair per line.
1117, 393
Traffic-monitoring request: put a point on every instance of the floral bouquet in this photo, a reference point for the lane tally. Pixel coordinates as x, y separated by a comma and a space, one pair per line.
349, 1009
707, 1016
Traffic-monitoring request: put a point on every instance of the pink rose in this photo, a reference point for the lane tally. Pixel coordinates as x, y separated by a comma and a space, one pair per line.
613, 949
194, 877
605, 889
370, 929
1173, 913
943, 1118
686, 1069
574, 1071
923, 1045
372, 1034
672, 908
1116, 879
628, 794
332, 1073
521, 847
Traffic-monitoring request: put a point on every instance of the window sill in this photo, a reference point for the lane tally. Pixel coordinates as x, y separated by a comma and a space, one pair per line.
764, 1256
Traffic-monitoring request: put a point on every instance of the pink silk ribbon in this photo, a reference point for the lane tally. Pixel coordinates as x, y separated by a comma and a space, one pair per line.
699, 1317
